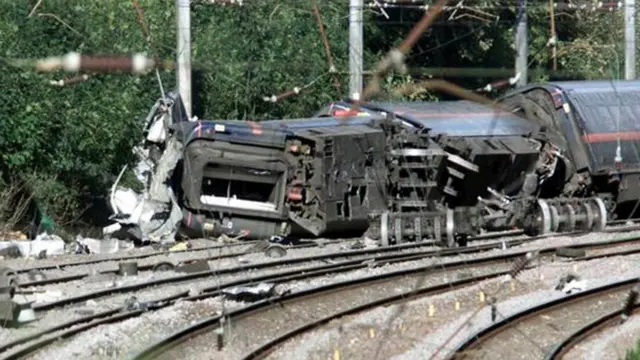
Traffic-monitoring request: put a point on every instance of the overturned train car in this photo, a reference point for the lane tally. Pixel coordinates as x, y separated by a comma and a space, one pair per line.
548, 161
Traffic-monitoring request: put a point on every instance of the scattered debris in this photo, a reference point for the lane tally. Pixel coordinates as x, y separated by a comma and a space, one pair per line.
11, 252
250, 293
260, 246
133, 304
570, 252
36, 275
629, 304
193, 266
43, 245
355, 246
571, 283
283, 240
370, 243
128, 268
182, 246
275, 251
163, 266
95, 246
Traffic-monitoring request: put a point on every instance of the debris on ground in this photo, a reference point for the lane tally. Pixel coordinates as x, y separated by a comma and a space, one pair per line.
259, 246
370, 243
132, 304
95, 246
571, 283
44, 245
250, 293
163, 266
275, 251
193, 266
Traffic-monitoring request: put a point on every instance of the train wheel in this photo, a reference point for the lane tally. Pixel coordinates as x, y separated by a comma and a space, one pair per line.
601, 215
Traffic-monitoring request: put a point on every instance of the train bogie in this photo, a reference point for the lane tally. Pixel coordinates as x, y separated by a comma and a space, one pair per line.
402, 172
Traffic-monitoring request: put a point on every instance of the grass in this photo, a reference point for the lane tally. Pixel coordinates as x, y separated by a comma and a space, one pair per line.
633, 354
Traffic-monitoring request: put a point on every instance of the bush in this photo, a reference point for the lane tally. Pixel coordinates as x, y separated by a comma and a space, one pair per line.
633, 354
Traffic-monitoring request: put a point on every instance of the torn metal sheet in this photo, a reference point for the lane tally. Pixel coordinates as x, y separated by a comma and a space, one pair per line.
250, 293
163, 170
153, 215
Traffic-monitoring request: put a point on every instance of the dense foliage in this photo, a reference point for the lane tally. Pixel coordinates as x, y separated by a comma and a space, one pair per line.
69, 142
634, 353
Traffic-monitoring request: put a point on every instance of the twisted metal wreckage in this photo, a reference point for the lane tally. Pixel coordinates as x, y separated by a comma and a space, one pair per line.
556, 157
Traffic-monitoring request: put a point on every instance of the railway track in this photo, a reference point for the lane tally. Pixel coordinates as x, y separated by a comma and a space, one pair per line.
248, 322
144, 255
150, 267
365, 254
599, 325
354, 259
215, 290
616, 227
538, 328
247, 244
49, 335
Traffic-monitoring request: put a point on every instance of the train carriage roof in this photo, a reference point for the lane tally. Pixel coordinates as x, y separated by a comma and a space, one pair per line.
458, 118
607, 111
604, 106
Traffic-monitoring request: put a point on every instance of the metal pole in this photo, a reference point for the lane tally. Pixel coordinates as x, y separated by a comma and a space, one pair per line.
355, 48
184, 53
522, 43
554, 48
630, 39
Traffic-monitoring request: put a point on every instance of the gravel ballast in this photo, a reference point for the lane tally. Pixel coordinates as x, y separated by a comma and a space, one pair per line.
54, 316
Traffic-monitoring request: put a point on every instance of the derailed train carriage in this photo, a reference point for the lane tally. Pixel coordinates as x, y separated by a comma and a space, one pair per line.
554, 158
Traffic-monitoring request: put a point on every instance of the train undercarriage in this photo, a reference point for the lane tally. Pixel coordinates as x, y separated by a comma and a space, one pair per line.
377, 175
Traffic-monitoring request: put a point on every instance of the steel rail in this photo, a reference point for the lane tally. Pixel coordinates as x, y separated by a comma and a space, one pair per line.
268, 347
344, 254
203, 274
405, 246
567, 344
133, 257
68, 278
322, 270
206, 293
479, 338
303, 244
207, 324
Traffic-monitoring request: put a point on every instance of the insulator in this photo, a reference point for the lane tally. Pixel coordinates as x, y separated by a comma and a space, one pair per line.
520, 264
630, 303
